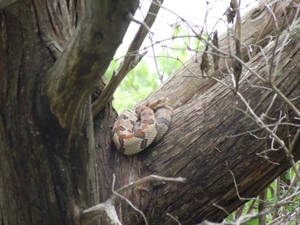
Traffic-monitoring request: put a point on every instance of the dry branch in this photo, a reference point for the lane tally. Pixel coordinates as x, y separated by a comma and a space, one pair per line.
131, 58
252, 24
107, 208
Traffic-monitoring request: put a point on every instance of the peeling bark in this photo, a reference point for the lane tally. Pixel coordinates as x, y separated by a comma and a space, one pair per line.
52, 53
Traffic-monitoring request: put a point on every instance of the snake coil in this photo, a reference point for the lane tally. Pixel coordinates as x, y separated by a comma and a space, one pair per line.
134, 130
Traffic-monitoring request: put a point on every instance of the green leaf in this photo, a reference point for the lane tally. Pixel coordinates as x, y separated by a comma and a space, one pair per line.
252, 222
176, 30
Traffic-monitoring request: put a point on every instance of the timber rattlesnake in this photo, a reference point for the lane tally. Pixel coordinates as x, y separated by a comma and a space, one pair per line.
134, 130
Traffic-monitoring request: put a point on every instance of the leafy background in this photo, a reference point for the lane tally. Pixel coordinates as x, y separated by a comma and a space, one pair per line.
151, 72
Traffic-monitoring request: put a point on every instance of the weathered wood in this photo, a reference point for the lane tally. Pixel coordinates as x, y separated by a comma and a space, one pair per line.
199, 147
72, 78
46, 177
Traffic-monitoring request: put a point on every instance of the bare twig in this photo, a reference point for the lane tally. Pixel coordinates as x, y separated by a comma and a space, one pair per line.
239, 212
237, 189
265, 114
160, 42
237, 65
128, 201
261, 207
261, 36
174, 218
251, 207
260, 123
273, 20
148, 179
276, 197
221, 208
286, 38
249, 216
295, 139
292, 184
130, 61
107, 208
286, 100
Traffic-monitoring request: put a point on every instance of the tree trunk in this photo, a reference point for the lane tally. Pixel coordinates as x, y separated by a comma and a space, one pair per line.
51, 55
47, 163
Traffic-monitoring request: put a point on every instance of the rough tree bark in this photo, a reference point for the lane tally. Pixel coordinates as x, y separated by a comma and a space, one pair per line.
47, 145
56, 160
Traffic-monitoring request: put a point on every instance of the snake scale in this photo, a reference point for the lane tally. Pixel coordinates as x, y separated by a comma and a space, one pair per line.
134, 130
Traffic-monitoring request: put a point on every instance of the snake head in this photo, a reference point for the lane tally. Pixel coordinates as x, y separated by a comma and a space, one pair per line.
139, 109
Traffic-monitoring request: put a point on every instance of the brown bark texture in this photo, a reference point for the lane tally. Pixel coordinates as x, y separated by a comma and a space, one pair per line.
47, 163
56, 159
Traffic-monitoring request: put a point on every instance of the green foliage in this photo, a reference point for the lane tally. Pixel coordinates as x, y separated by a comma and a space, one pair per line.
252, 222
282, 211
112, 67
138, 83
171, 59
143, 79
177, 30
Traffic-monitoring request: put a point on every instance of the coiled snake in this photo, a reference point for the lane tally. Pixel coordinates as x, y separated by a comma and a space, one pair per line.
134, 130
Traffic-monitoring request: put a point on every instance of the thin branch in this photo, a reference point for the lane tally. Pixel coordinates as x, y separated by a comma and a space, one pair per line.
287, 36
261, 207
236, 65
239, 211
265, 114
108, 208
251, 207
105, 209
130, 61
276, 197
153, 51
150, 178
161, 42
276, 28
174, 218
260, 123
286, 100
294, 141
221, 208
127, 200
248, 217
288, 198
262, 35
236, 188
